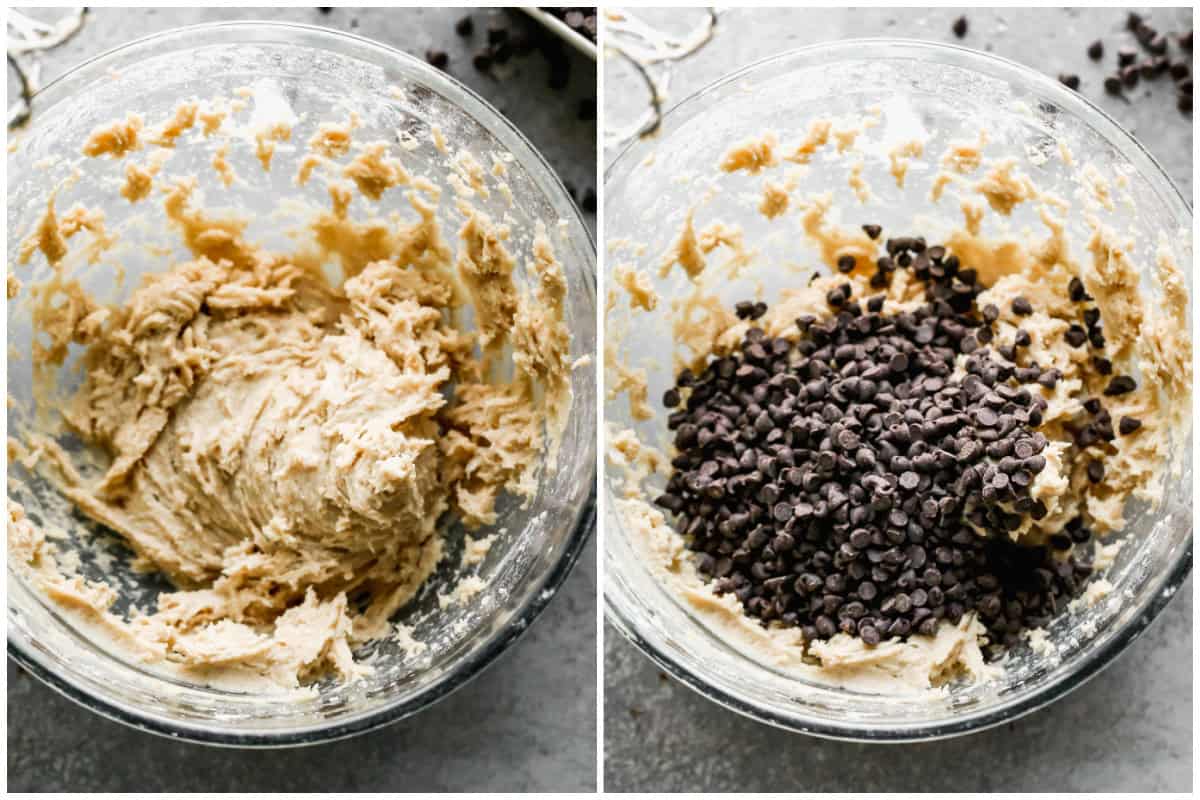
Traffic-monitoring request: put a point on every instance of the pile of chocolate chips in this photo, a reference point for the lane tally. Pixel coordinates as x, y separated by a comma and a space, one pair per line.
850, 481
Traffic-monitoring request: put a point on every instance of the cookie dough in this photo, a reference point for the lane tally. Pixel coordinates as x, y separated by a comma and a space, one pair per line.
283, 447
1146, 322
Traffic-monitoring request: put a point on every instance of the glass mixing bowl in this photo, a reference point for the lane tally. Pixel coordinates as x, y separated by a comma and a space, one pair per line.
950, 92
322, 75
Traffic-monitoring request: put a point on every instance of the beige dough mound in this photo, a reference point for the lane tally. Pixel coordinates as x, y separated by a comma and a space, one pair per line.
282, 448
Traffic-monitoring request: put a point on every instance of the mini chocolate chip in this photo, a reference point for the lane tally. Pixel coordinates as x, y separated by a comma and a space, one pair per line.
1121, 384
1022, 307
845, 263
1068, 79
1095, 50
1095, 471
1128, 425
960, 27
872, 231
1126, 56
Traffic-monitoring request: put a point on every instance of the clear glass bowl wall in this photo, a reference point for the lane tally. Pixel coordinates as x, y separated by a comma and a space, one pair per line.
951, 93
324, 76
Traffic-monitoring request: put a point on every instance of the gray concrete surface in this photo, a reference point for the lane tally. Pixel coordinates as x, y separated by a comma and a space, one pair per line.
1129, 729
527, 723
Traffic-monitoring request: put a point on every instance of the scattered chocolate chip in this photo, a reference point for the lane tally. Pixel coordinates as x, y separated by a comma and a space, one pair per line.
872, 230
1144, 33
465, 26
1157, 44
845, 263
1184, 103
1095, 471
1076, 291
1180, 71
482, 60
1129, 76
1126, 56
497, 33
960, 27
1022, 307
1185, 87
1076, 336
1113, 85
1128, 425
1069, 80
1185, 41
437, 58
1121, 384
1133, 21
1095, 50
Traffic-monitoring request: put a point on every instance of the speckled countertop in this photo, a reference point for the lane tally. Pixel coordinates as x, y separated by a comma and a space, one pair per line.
1130, 728
528, 722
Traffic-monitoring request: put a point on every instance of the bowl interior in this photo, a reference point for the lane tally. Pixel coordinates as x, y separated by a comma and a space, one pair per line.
936, 94
309, 77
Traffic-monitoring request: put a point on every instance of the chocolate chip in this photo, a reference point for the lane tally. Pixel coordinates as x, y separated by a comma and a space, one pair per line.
960, 27
1068, 79
464, 27
1076, 336
1126, 56
845, 263
1095, 471
872, 231
497, 33
1184, 103
1121, 384
437, 58
1113, 85
482, 60
1180, 71
1129, 76
1022, 307
1095, 50
1128, 425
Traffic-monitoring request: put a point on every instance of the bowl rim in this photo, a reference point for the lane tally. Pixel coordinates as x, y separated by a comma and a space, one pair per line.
868, 48
539, 594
